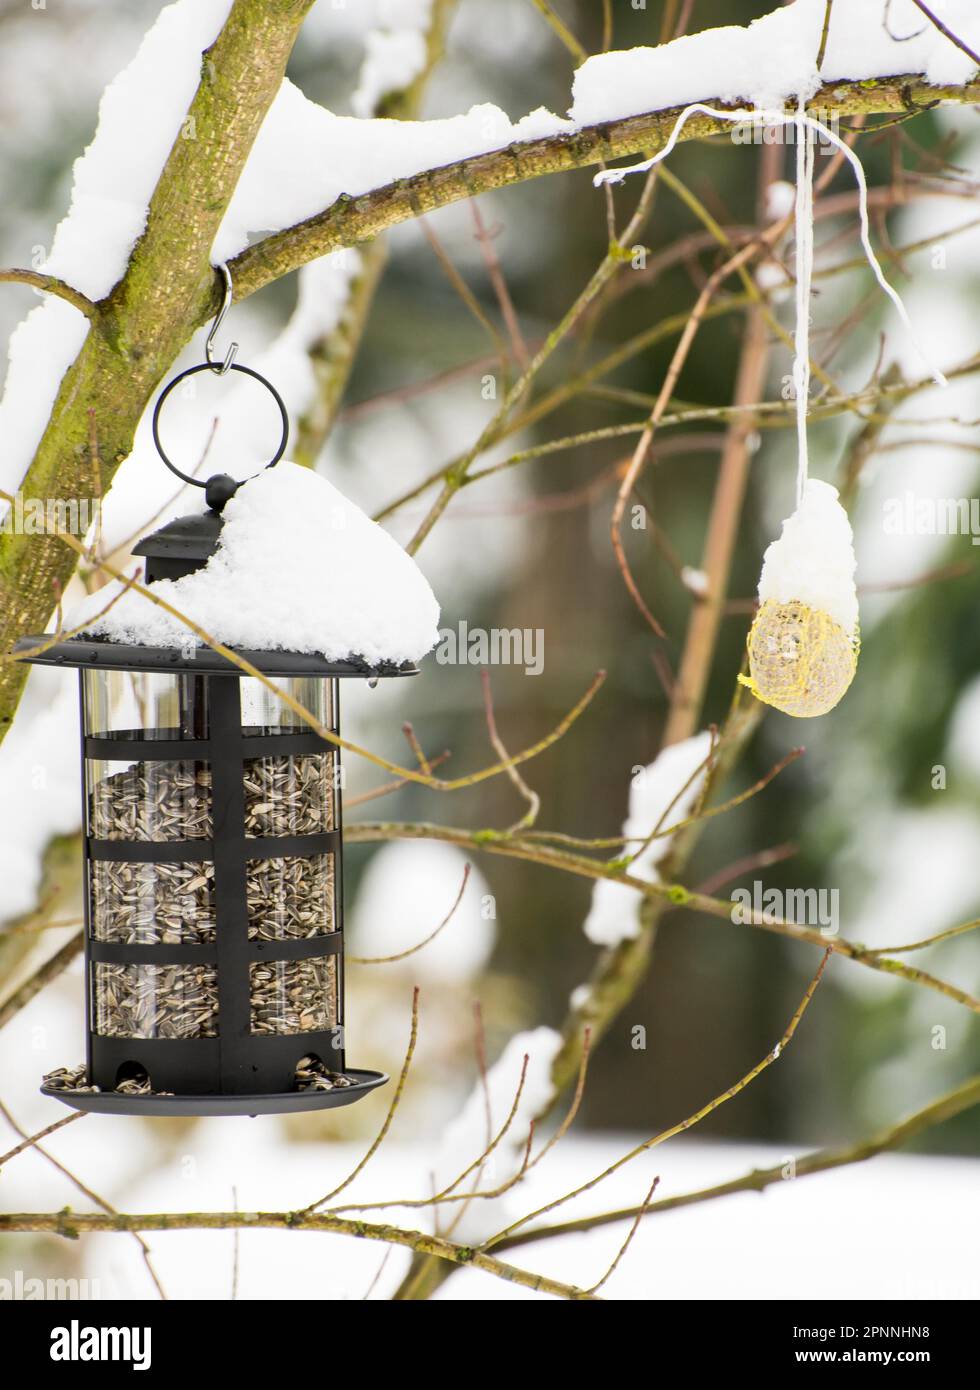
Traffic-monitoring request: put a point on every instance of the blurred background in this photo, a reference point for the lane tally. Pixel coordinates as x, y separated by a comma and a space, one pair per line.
864, 811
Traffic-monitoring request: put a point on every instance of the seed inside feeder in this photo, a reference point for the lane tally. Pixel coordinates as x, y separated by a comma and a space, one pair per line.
800, 660
156, 1001
291, 897
294, 996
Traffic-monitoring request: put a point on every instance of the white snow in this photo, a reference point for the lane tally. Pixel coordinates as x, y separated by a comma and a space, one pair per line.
694, 580
813, 562
467, 1137
298, 568
614, 915
780, 199
724, 1249
407, 890
305, 157
141, 114
774, 58
772, 278
39, 774
393, 60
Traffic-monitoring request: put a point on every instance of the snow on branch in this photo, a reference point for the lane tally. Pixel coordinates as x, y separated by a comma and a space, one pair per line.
317, 181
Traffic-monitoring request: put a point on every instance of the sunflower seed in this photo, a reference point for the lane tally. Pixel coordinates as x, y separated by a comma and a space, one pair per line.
289, 898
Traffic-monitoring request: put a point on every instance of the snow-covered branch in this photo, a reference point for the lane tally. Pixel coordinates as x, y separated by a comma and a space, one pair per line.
350, 220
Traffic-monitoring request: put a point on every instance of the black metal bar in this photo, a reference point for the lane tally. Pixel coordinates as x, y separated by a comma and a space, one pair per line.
157, 953
149, 851
204, 661
125, 748
130, 745
193, 851
86, 895
338, 909
206, 953
302, 948
186, 1066
228, 815
192, 699
298, 846
276, 745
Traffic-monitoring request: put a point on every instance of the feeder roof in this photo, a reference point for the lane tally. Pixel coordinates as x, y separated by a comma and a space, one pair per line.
192, 538
294, 568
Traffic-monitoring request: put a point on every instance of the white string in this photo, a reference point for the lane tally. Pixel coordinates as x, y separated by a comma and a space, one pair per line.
804, 280
788, 118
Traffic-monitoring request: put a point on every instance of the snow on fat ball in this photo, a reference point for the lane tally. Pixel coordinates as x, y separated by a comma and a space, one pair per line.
813, 560
666, 791
298, 568
803, 643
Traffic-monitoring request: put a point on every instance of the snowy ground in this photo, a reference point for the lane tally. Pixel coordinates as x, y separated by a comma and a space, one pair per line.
898, 1227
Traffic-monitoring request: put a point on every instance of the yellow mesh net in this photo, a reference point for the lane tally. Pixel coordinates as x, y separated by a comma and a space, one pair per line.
800, 660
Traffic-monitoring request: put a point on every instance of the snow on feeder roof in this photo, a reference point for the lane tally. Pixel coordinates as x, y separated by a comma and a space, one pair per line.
296, 567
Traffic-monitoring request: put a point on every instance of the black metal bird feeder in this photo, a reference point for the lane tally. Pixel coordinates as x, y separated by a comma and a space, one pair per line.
213, 868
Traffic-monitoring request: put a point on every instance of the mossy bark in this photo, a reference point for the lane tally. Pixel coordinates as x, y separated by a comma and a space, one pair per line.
140, 327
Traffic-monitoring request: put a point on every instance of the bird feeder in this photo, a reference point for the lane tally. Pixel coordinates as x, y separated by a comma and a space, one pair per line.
214, 969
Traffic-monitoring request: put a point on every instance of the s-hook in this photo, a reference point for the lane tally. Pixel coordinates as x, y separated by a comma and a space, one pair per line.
220, 368
221, 487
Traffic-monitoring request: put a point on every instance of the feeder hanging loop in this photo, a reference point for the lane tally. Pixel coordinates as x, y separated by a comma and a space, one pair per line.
220, 488
221, 368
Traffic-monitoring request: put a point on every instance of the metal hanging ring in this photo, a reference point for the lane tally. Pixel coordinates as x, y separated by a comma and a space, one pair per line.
221, 368
207, 367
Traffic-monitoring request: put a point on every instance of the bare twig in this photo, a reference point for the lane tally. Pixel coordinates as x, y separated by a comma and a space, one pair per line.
773, 1055
629, 1238
41, 1134
50, 284
531, 797
386, 1126
413, 950
953, 1103
85, 1190
946, 31
45, 973
492, 260
561, 29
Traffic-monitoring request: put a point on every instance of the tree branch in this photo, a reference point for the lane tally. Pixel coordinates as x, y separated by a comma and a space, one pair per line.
51, 285
71, 1225
350, 220
49, 971
945, 1108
